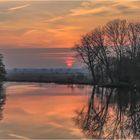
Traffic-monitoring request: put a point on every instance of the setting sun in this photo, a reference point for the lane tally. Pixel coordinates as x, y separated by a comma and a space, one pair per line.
70, 61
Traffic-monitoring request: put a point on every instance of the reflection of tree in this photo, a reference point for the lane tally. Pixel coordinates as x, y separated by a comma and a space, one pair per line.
2, 102
111, 113
133, 121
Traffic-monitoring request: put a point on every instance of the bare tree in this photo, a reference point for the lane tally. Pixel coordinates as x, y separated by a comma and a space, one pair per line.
94, 53
112, 52
116, 36
134, 39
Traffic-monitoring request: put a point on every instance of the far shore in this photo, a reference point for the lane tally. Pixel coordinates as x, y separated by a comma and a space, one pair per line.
56, 82
122, 85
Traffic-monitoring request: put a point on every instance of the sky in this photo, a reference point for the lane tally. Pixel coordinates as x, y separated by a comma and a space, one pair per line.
36, 25
39, 58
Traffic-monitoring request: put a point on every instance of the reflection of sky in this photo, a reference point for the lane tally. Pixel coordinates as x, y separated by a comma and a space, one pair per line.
39, 58
29, 115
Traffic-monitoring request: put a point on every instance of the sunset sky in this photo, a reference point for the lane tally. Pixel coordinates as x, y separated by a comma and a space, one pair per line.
54, 24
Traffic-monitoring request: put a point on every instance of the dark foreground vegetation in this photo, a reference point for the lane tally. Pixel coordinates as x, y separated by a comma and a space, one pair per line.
112, 53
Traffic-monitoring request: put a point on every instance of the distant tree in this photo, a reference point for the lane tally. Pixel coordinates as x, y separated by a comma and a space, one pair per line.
2, 70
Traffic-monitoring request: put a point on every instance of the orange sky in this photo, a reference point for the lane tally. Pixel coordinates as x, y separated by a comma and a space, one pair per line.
46, 24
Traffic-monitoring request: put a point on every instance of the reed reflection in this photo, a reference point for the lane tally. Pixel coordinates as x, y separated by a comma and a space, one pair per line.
111, 113
2, 102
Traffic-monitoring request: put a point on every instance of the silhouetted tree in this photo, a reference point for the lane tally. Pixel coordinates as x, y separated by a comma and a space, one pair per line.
94, 53
112, 52
2, 70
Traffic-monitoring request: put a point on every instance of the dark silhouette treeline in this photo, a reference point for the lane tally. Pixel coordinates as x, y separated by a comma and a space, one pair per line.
56, 75
111, 113
112, 53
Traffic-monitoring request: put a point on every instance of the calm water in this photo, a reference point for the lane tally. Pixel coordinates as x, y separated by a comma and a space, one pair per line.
44, 111
31, 110
111, 114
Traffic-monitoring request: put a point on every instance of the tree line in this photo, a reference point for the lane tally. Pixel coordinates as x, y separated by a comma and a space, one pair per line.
112, 52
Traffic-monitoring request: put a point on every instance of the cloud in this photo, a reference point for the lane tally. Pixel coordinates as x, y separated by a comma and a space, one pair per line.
18, 136
92, 8
18, 7
30, 32
58, 24
55, 19
127, 7
14, 32
81, 12
106, 8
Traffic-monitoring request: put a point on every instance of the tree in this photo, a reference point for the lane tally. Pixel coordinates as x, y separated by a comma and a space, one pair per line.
2, 70
112, 52
94, 54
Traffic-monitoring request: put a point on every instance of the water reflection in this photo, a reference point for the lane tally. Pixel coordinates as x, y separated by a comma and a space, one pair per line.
111, 113
40, 112
2, 102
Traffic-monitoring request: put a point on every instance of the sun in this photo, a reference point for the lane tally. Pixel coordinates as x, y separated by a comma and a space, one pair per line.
69, 61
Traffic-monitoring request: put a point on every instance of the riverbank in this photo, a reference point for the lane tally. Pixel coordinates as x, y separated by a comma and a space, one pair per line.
86, 82
121, 85
53, 81
59, 76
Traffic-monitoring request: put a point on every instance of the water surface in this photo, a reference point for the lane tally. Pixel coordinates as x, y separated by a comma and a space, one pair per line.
41, 111
52, 111
111, 113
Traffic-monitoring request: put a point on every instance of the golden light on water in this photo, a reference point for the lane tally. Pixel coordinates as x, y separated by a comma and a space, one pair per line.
34, 111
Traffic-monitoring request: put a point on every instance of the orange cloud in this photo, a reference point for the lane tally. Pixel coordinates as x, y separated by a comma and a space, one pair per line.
58, 24
18, 7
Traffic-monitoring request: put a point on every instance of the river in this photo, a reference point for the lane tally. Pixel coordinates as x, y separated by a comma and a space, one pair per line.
53, 111
40, 111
